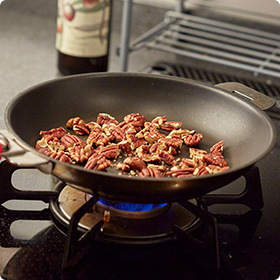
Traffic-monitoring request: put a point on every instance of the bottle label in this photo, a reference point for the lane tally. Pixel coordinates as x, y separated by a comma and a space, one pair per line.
83, 27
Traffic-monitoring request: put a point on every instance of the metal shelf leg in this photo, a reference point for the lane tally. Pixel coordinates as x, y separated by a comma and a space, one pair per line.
180, 6
125, 34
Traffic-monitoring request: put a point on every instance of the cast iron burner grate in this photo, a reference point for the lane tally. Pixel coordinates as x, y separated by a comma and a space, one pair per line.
72, 251
266, 87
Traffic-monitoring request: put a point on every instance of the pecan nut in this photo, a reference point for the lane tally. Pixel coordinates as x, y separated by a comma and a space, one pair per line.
55, 132
97, 138
193, 140
179, 173
152, 136
127, 128
125, 146
49, 144
198, 156
186, 163
79, 153
151, 126
218, 147
169, 126
161, 168
55, 145
159, 120
116, 132
111, 151
97, 162
142, 150
181, 132
133, 163
200, 170
151, 158
103, 118
75, 121
215, 159
80, 130
213, 169
135, 119
135, 141
69, 140
61, 156
197, 153
167, 158
150, 172
158, 146
94, 126
42, 147
176, 143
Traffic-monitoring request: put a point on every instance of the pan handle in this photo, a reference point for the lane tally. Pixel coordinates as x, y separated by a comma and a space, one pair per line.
259, 99
16, 154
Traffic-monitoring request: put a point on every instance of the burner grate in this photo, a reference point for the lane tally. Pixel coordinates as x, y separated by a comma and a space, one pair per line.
197, 247
213, 77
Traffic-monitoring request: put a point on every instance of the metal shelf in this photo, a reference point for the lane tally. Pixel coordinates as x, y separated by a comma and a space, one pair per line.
214, 41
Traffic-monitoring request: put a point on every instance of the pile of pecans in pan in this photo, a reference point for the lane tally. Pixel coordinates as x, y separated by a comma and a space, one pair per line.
134, 146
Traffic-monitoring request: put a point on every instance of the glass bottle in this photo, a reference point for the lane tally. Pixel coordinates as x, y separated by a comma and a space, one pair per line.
83, 35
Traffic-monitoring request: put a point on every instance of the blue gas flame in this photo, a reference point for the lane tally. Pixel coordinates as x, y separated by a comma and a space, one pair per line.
132, 207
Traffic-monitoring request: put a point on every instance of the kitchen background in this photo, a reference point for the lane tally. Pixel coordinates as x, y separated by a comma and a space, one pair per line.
28, 55
27, 37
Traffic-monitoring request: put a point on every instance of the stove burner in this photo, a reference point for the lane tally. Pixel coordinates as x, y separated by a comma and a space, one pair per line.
131, 210
123, 226
130, 207
190, 225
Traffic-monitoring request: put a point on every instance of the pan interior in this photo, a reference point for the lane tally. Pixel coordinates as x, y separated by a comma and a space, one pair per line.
246, 131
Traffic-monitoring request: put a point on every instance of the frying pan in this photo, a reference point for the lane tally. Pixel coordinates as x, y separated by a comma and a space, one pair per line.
247, 131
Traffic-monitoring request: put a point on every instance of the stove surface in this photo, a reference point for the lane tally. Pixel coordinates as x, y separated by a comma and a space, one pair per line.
42, 261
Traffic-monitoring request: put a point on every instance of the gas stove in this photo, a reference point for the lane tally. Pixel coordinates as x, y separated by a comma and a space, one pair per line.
231, 233
222, 235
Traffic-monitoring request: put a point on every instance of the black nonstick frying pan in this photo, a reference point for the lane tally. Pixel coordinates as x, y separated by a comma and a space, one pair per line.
247, 131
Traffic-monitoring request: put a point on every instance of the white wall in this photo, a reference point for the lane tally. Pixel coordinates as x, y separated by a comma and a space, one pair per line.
269, 7
169, 4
